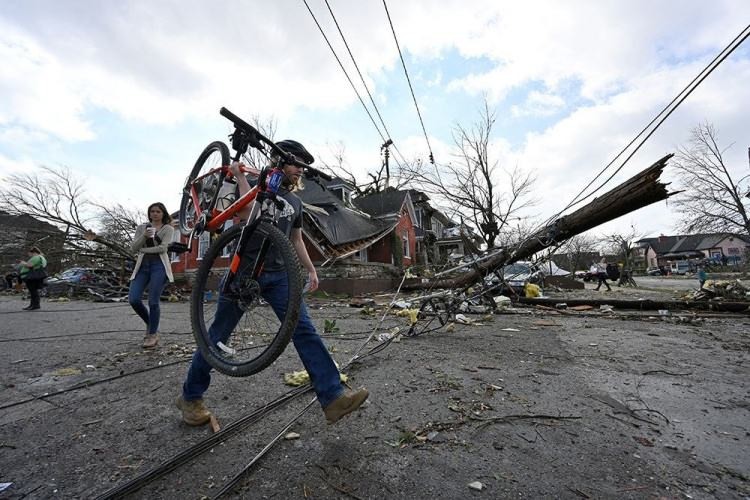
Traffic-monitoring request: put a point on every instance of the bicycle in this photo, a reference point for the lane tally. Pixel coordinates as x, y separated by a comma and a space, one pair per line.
235, 260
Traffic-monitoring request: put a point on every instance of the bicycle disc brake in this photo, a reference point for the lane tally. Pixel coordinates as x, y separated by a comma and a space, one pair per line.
246, 291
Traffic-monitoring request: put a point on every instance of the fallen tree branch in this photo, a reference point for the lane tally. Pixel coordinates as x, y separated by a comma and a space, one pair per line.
637, 192
650, 372
510, 418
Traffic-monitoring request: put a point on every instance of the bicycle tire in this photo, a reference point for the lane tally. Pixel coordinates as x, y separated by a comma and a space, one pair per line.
237, 354
207, 191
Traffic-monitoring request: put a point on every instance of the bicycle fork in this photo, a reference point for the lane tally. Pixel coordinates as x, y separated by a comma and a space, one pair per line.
252, 224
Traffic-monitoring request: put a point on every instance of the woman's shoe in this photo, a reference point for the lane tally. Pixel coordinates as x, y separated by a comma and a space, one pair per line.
150, 341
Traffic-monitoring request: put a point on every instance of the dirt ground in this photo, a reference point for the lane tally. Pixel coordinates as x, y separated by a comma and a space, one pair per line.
527, 404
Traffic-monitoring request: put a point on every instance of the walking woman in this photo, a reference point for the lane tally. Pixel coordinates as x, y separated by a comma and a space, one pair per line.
33, 272
152, 268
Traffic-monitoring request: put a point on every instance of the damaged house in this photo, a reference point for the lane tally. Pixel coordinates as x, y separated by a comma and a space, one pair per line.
360, 243
720, 248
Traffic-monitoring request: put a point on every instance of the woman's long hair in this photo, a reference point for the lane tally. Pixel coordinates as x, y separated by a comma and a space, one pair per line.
165, 218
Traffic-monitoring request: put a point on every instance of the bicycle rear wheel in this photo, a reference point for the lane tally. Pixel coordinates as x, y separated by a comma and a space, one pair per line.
244, 330
214, 156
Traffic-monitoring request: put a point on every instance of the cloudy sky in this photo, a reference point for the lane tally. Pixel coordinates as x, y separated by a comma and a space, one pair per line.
127, 93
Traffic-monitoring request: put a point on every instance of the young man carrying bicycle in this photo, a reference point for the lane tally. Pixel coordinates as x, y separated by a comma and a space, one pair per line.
333, 397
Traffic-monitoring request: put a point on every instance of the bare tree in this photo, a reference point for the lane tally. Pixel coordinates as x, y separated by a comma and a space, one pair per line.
622, 244
713, 199
489, 196
391, 172
577, 250
54, 196
267, 127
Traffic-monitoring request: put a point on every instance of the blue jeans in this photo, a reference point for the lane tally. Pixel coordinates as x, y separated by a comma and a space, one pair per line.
317, 361
151, 274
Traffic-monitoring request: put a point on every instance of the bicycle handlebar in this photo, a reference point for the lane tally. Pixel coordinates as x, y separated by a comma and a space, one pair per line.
255, 138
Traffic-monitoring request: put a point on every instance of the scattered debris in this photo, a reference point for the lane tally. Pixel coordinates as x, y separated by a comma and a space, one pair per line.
66, 372
361, 302
720, 289
581, 308
296, 379
531, 290
476, 485
546, 322
460, 318
409, 313
385, 336
214, 423
502, 301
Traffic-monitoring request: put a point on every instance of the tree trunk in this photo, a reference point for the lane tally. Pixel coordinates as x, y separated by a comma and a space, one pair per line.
641, 190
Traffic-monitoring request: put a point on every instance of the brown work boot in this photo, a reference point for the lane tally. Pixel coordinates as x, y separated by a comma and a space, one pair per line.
193, 412
345, 404
150, 341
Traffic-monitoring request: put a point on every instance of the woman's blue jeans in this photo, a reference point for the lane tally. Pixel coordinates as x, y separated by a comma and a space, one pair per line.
151, 274
315, 357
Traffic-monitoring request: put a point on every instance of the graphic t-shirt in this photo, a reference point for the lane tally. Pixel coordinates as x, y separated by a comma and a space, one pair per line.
273, 261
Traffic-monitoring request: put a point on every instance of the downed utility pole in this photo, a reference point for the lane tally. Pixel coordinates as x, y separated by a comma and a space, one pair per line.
639, 191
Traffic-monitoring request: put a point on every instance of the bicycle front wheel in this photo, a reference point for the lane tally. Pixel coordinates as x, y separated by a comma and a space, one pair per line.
215, 155
243, 327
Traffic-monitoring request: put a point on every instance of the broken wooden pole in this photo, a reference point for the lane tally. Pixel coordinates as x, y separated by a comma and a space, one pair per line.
641, 304
637, 192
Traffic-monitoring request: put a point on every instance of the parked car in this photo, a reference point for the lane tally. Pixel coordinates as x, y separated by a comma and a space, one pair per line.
680, 267
66, 282
656, 271
516, 276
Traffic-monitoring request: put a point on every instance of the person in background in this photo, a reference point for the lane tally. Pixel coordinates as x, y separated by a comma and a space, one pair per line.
28, 272
601, 274
152, 269
701, 276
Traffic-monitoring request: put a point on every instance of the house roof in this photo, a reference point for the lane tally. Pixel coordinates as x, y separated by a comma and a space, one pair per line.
384, 203
684, 244
26, 222
336, 229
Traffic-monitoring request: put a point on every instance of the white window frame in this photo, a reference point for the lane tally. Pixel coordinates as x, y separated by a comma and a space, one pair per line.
174, 256
204, 241
418, 214
437, 228
406, 247
225, 251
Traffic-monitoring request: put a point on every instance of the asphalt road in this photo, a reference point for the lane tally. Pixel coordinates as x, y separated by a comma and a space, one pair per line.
528, 403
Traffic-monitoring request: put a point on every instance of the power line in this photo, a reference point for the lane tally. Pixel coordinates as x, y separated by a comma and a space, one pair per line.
364, 83
344, 70
664, 114
406, 72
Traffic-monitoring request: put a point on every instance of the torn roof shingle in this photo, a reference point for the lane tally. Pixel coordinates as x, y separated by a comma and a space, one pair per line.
334, 220
381, 204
